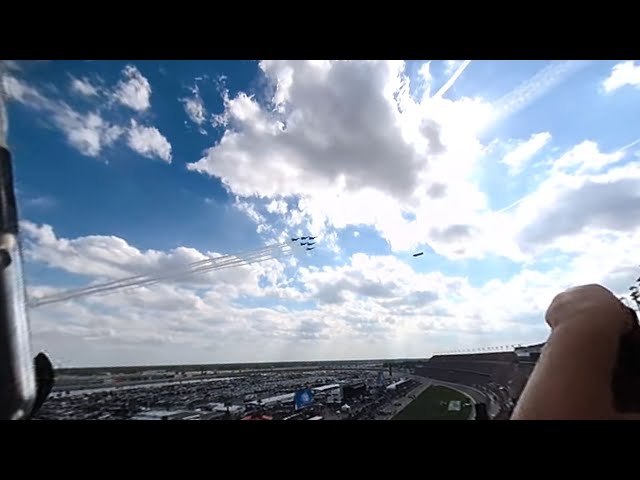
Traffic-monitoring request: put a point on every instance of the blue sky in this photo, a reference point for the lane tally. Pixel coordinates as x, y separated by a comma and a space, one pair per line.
512, 177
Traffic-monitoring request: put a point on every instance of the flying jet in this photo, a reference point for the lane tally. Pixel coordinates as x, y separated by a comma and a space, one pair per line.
303, 243
310, 248
295, 239
311, 243
418, 254
312, 238
303, 238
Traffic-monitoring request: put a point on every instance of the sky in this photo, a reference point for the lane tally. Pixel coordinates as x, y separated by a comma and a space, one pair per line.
517, 179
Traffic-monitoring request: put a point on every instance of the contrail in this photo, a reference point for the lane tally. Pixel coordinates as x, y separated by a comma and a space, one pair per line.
452, 80
537, 86
628, 146
141, 280
509, 207
202, 266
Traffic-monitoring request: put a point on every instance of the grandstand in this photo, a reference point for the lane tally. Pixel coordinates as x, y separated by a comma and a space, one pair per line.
500, 376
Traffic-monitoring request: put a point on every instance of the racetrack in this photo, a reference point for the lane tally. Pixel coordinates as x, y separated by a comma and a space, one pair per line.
433, 403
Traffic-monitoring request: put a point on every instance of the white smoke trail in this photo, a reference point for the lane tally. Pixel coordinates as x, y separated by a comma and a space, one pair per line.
536, 86
202, 266
449, 83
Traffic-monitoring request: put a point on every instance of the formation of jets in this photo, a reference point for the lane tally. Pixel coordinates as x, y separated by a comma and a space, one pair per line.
295, 239
308, 244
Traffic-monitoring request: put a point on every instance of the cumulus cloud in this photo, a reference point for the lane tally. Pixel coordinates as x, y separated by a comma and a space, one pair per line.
340, 126
524, 151
351, 144
379, 300
134, 90
564, 207
623, 74
148, 142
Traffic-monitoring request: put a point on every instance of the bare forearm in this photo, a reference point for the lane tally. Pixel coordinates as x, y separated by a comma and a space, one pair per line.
573, 376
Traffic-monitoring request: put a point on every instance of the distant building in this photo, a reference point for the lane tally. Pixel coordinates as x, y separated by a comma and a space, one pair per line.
530, 353
283, 399
330, 393
353, 390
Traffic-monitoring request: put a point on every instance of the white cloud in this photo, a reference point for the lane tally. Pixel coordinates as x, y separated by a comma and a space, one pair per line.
89, 133
148, 142
356, 234
315, 145
427, 79
250, 211
134, 91
524, 151
199, 312
350, 143
10, 65
622, 74
269, 154
110, 257
84, 87
277, 206
195, 109
451, 66
23, 93
586, 157
372, 306
568, 208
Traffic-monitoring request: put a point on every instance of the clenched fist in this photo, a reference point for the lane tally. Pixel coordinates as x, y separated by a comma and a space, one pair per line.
589, 306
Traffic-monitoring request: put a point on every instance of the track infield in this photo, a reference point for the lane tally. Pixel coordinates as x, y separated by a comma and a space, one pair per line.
433, 403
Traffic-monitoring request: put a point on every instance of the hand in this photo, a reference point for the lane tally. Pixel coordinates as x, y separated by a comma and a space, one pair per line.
589, 306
